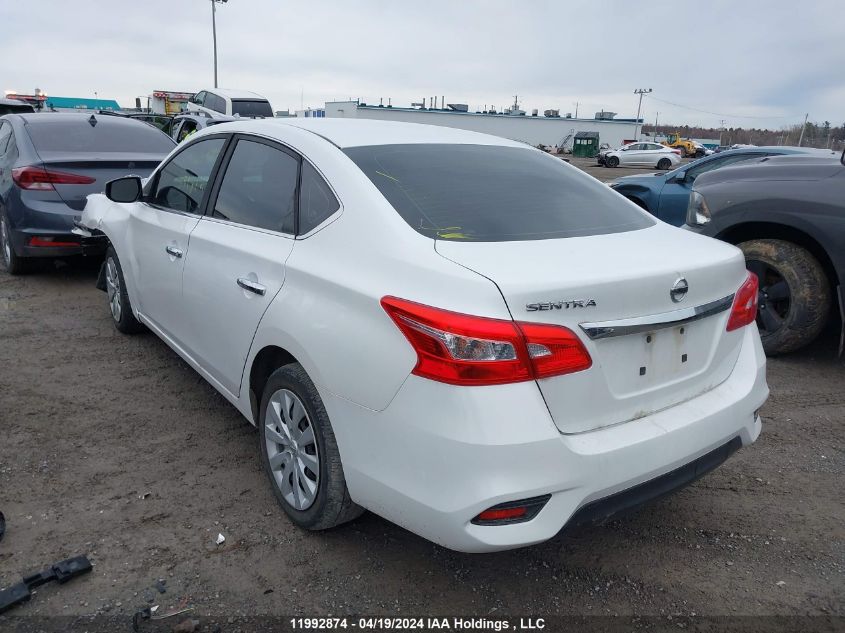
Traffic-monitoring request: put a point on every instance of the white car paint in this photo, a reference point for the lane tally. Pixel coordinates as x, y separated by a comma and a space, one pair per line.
424, 454
644, 154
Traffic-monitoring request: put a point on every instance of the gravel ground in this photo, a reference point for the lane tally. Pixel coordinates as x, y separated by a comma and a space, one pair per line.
112, 446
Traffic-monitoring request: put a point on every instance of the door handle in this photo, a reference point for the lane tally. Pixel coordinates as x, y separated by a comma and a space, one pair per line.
251, 286
172, 250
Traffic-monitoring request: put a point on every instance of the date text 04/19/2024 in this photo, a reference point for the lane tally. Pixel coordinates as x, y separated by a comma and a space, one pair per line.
418, 624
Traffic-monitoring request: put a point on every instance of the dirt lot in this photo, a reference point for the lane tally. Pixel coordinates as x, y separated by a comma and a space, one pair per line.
112, 446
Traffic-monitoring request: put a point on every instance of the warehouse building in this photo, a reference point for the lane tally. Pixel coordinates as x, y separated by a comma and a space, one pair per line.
534, 129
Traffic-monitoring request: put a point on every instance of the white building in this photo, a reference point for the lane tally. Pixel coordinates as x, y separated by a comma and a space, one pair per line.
534, 130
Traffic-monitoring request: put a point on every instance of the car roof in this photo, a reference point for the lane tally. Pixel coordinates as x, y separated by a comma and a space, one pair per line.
233, 93
75, 117
14, 102
357, 132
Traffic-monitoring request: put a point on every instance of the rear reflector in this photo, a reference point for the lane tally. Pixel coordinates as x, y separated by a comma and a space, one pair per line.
512, 511
744, 309
40, 179
461, 349
49, 241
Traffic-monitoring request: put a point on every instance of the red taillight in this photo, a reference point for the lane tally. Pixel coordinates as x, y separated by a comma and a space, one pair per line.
40, 179
461, 349
50, 242
744, 309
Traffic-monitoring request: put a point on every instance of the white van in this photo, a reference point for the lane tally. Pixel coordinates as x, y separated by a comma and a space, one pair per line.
230, 102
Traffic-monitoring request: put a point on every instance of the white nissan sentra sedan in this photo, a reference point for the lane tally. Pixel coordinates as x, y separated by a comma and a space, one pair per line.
458, 332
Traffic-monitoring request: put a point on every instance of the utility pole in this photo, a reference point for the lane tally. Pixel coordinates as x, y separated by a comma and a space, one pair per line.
654, 136
214, 33
577, 103
641, 92
721, 131
803, 126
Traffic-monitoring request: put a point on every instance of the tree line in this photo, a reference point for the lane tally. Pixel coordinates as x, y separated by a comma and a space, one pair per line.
822, 135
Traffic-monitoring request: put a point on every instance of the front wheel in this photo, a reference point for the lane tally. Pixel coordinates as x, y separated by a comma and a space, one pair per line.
664, 163
119, 305
300, 454
612, 161
795, 295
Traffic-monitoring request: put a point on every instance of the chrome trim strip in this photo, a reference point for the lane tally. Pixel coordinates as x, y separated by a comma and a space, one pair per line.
649, 323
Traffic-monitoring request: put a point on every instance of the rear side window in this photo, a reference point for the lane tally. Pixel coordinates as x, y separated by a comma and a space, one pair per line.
259, 188
182, 182
5, 135
71, 133
316, 201
251, 107
215, 102
489, 193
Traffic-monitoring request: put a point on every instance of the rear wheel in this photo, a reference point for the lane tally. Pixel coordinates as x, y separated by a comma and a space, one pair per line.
611, 161
794, 298
664, 163
14, 264
300, 454
119, 305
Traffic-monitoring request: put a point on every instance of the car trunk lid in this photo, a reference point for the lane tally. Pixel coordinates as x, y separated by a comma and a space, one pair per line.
100, 167
590, 284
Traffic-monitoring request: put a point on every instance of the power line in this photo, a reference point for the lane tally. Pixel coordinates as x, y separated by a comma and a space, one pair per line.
730, 116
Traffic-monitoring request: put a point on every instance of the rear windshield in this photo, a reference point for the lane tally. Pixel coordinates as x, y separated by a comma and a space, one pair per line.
76, 134
10, 108
489, 193
246, 107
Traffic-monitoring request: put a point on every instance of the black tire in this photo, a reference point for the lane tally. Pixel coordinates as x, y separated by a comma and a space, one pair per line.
120, 308
664, 164
795, 294
13, 263
332, 505
699, 153
612, 161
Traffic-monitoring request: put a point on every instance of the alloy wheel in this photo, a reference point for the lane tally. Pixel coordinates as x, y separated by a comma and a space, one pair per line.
113, 289
291, 446
774, 298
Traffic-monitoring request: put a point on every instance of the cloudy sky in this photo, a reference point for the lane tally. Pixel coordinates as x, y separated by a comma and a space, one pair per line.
760, 63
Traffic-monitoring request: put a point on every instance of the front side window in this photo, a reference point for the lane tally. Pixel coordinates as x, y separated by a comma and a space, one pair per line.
490, 193
259, 188
316, 201
718, 163
182, 182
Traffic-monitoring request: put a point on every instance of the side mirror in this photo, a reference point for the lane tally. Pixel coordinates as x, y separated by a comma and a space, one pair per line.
681, 176
126, 189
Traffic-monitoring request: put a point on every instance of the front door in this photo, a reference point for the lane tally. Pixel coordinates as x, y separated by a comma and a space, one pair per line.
238, 253
160, 229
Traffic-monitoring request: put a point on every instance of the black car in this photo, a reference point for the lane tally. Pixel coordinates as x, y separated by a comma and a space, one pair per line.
10, 106
787, 214
49, 163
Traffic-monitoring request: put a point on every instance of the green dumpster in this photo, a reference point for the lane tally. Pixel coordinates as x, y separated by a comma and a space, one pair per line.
585, 144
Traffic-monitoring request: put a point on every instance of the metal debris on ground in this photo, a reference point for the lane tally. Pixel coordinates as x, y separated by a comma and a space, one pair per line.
220, 539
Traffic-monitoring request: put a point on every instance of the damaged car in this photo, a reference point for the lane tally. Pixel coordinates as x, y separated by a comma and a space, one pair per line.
458, 332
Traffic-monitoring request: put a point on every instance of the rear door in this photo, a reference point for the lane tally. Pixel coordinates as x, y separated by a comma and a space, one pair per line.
159, 231
238, 251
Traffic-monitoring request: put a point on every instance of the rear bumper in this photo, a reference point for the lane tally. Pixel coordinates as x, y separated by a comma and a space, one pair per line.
31, 224
440, 455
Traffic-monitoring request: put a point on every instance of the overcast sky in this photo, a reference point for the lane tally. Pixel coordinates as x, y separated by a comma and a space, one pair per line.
737, 60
